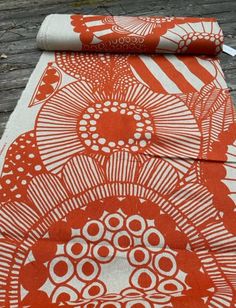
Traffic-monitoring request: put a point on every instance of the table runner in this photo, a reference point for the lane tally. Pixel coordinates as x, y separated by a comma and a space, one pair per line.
118, 169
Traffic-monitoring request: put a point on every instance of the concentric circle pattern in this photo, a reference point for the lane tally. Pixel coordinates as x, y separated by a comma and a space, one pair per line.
134, 127
114, 259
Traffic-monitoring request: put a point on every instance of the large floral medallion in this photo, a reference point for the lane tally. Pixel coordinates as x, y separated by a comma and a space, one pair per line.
110, 200
130, 227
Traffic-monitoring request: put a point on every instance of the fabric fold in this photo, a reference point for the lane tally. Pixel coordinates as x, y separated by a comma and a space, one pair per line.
131, 34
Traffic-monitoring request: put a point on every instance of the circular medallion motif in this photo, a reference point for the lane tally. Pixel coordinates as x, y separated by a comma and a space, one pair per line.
124, 241
109, 126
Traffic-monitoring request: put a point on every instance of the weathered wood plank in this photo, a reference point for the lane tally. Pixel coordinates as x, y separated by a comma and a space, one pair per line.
3, 120
183, 8
12, 4
18, 47
16, 79
9, 99
17, 62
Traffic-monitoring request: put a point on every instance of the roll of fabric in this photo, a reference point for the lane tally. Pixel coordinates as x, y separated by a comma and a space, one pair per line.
118, 169
125, 34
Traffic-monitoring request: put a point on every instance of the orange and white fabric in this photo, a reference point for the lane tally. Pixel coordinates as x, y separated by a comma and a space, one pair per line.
118, 170
136, 34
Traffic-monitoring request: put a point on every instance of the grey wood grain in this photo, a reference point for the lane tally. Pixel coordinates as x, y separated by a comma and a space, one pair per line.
20, 21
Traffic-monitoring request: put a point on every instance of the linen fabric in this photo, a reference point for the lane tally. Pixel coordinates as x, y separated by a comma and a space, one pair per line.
118, 170
142, 34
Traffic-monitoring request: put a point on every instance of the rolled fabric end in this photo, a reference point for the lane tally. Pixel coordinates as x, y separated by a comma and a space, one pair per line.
56, 33
131, 34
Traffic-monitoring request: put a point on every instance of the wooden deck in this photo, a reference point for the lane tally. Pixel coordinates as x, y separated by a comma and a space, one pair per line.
20, 21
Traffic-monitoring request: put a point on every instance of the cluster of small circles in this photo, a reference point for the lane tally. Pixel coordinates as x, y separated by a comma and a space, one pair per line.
126, 80
100, 240
80, 66
122, 44
94, 47
84, 67
156, 20
217, 39
128, 44
127, 40
21, 154
92, 139
129, 298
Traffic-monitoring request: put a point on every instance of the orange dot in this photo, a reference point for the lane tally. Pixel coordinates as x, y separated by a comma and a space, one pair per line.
144, 280
76, 248
88, 268
60, 232
139, 255
33, 275
135, 225
170, 287
61, 268
94, 290
86, 38
63, 297
114, 222
44, 250
93, 229
35, 299
165, 264
103, 251
124, 241
153, 239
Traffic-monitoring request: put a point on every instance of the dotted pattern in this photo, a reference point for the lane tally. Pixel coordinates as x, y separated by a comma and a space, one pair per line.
48, 84
127, 34
122, 44
156, 20
189, 38
22, 162
103, 71
87, 127
80, 249
141, 34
